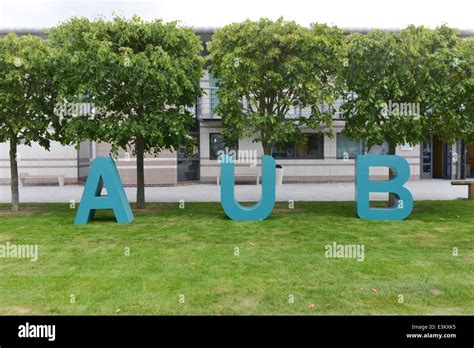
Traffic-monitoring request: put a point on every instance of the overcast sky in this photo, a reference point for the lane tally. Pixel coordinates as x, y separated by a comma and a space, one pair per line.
15, 14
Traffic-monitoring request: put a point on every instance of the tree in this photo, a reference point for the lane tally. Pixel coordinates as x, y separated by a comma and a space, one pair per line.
416, 67
466, 63
446, 80
267, 68
141, 77
27, 97
378, 72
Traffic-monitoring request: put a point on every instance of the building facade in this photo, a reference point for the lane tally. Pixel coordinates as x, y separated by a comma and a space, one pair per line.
320, 159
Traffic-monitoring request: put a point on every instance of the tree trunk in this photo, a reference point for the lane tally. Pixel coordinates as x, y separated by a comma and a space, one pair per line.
392, 199
14, 174
267, 149
139, 149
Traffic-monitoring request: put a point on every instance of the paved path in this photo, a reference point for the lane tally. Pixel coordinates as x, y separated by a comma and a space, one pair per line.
421, 190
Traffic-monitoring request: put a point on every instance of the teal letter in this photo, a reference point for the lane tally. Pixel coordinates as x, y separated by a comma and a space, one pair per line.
103, 172
233, 209
364, 186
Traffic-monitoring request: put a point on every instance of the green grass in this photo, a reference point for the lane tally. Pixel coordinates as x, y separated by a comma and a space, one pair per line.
191, 252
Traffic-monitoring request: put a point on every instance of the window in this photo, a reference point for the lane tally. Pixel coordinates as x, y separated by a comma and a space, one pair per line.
348, 148
213, 99
353, 147
357, 147
379, 149
216, 143
312, 148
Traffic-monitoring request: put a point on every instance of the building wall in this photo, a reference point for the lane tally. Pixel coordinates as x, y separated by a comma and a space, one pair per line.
162, 169
84, 160
159, 170
301, 170
74, 164
36, 161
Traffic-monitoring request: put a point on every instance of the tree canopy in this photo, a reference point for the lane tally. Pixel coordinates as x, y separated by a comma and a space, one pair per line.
142, 78
417, 66
27, 97
268, 68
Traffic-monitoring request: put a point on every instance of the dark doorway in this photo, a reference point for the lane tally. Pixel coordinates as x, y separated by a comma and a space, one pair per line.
436, 159
437, 153
188, 161
469, 168
447, 161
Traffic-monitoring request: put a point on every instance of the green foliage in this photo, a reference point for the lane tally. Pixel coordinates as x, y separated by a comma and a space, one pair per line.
417, 65
27, 92
27, 98
467, 113
266, 68
141, 77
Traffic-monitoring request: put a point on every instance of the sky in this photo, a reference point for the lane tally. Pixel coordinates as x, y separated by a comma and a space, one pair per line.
394, 14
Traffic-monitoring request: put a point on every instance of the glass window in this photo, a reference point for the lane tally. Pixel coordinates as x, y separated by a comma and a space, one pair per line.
283, 151
353, 147
214, 100
217, 143
379, 149
312, 148
348, 148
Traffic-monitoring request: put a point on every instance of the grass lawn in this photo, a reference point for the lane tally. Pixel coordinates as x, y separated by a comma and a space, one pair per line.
191, 252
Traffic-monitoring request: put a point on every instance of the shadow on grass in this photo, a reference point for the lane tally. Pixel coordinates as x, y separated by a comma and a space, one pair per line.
103, 218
